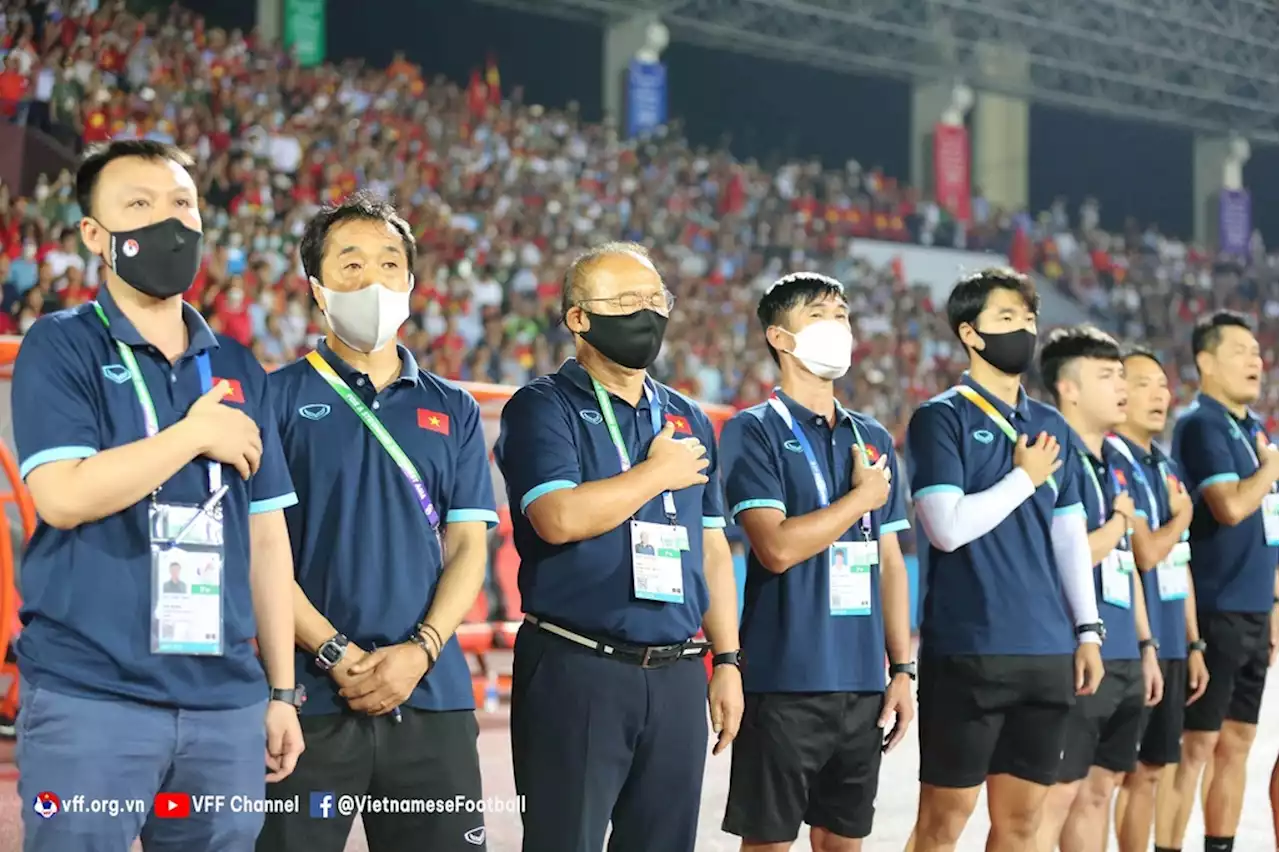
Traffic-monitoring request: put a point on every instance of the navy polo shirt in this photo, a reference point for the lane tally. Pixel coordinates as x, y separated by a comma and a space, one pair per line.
364, 552
1233, 567
87, 591
1121, 642
1001, 593
1168, 618
790, 639
553, 437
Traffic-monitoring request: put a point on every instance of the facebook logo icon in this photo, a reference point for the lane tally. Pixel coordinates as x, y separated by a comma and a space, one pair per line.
322, 805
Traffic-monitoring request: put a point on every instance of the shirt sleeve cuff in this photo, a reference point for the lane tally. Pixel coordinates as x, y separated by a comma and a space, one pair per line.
712, 523
284, 501
1216, 478
54, 454
895, 526
937, 489
1073, 509
757, 504
542, 490
462, 516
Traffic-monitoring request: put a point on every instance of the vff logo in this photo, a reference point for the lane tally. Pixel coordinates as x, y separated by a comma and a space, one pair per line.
475, 836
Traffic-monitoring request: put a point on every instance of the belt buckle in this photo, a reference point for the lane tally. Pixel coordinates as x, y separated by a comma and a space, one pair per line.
644, 660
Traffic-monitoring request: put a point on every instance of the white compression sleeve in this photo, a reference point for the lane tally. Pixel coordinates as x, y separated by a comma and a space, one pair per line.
1071, 551
952, 520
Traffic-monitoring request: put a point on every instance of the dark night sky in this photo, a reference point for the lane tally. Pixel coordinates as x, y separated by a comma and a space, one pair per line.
768, 109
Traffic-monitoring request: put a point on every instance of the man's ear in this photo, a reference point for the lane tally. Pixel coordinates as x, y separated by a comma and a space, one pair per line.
95, 237
779, 338
969, 337
576, 320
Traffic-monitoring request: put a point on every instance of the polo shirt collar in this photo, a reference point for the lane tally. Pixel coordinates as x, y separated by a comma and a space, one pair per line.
200, 337
408, 366
1153, 457
572, 370
806, 415
1250, 420
1078, 446
1021, 410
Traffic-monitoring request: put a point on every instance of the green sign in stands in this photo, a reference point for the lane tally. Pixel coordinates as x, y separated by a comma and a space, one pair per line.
304, 30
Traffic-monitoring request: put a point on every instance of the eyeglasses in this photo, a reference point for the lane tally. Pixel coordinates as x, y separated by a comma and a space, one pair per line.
662, 301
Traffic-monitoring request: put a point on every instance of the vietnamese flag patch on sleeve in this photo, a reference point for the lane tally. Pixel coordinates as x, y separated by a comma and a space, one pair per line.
236, 394
433, 421
680, 424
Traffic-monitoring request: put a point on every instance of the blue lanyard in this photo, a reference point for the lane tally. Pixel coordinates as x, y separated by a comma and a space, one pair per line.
1253, 454
819, 479
1121, 447
1102, 497
615, 435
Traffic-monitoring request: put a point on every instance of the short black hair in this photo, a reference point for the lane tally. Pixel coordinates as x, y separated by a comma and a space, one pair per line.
359, 205
1135, 350
793, 291
95, 159
969, 296
1066, 345
1207, 333
574, 282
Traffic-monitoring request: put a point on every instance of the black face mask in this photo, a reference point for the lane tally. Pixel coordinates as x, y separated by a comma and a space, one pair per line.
631, 340
160, 260
1010, 352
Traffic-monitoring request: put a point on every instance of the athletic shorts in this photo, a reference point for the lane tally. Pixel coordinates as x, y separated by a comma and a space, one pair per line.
1106, 727
1237, 655
993, 715
1162, 739
805, 757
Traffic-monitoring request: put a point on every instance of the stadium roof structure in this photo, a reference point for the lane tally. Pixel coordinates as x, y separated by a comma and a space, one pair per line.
1206, 65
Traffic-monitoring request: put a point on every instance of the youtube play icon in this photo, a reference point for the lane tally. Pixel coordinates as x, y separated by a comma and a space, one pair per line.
173, 805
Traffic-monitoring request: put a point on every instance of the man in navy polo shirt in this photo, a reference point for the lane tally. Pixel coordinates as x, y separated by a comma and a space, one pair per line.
1009, 595
390, 465
607, 706
1163, 555
147, 441
1082, 369
826, 592
1232, 468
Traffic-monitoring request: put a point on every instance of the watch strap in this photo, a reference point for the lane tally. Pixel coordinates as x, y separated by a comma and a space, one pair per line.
908, 669
295, 697
728, 658
1198, 645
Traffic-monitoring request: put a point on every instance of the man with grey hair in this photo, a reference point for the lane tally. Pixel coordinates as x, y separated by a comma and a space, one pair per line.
607, 719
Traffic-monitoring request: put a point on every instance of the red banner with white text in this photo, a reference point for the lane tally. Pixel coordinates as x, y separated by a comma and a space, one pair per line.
951, 169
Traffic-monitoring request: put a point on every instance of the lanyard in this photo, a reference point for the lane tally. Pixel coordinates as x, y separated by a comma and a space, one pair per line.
819, 479
997, 418
150, 422
1102, 497
615, 434
371, 422
1121, 447
1240, 433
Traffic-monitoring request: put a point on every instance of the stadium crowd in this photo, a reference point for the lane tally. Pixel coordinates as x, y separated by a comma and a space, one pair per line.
501, 193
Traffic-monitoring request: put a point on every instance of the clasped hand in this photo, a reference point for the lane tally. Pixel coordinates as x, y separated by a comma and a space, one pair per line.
379, 681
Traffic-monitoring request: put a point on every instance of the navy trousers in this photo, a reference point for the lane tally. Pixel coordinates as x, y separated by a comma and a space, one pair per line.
595, 741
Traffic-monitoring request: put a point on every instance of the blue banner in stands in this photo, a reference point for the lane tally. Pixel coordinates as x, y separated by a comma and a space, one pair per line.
1235, 225
646, 97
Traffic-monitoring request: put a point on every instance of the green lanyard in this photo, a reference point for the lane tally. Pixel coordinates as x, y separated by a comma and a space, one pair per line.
615, 434
374, 425
151, 422
997, 418
1097, 487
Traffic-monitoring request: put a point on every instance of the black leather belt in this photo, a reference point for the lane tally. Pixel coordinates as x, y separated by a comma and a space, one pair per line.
644, 656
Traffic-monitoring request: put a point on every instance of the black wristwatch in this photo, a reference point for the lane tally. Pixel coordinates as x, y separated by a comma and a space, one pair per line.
1096, 627
1198, 645
295, 697
908, 669
331, 652
1144, 644
728, 658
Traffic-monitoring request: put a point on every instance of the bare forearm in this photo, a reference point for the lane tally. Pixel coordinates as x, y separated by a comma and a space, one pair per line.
460, 584
895, 602
271, 582
68, 494
1189, 608
1245, 499
593, 508
1104, 539
1140, 620
1151, 547
794, 540
310, 628
720, 623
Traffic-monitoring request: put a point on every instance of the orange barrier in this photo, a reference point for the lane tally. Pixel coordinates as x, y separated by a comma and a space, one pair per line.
16, 496
477, 636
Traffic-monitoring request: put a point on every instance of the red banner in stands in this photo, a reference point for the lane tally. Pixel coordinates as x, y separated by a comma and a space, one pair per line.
951, 169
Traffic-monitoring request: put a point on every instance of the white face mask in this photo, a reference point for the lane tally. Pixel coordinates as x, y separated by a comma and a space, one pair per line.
366, 319
825, 348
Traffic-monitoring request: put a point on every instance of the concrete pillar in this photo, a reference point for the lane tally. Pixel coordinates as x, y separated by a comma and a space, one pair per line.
270, 19
639, 37
1000, 129
1217, 164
